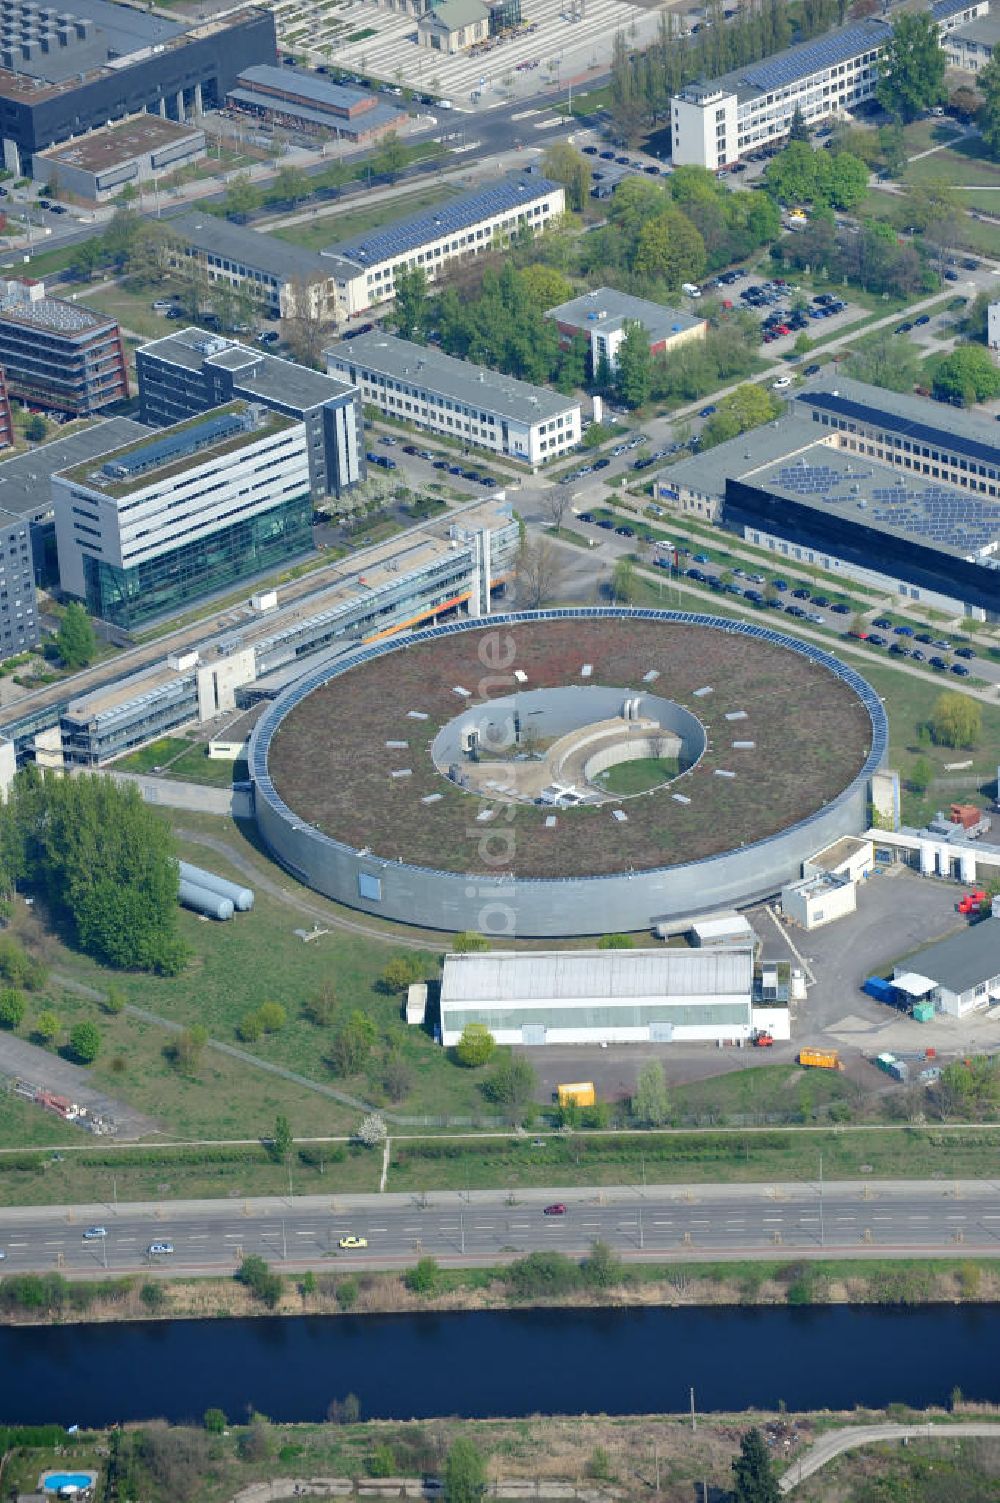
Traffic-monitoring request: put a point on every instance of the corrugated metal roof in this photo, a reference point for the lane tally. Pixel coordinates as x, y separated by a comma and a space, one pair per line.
572, 975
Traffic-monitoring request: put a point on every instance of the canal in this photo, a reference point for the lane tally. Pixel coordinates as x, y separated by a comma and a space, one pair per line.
501, 1363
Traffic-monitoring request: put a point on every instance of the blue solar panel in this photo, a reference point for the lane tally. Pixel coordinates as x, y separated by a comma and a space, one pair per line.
407, 234
173, 446
811, 57
926, 433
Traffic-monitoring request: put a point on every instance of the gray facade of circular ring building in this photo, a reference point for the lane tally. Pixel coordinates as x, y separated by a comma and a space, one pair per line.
555, 907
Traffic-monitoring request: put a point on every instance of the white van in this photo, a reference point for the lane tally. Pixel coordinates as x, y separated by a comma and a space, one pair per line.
691, 289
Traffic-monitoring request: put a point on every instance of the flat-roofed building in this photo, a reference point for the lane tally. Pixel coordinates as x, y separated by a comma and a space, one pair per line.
958, 975
971, 46
100, 165
419, 384
183, 512
59, 354
600, 996
64, 72
603, 318
879, 486
277, 275
191, 371
364, 268
314, 105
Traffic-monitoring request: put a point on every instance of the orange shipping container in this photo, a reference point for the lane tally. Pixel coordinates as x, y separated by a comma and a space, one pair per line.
820, 1059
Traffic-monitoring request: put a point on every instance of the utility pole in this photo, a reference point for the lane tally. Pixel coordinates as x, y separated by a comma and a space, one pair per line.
461, 1222
656, 1463
641, 1239
694, 1422
822, 1224
284, 1242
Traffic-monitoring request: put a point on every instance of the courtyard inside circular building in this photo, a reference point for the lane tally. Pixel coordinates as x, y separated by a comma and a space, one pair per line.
565, 772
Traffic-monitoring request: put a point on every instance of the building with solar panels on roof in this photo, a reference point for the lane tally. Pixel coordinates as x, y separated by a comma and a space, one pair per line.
364, 269
874, 485
148, 528
718, 121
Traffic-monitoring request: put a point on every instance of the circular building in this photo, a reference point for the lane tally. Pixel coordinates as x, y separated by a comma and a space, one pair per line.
565, 772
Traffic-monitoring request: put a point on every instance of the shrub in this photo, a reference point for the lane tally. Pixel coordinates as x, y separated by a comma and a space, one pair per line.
153, 1296
255, 1274
214, 1421
250, 1029
476, 1046
12, 1006
542, 1274
381, 1462
46, 1028
272, 1017
347, 1294
373, 1130
423, 1277
401, 972
85, 1042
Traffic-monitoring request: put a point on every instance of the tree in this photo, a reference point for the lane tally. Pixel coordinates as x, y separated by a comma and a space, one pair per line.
35, 428
798, 130
564, 164
47, 1027
921, 775
540, 571
468, 942
281, 1138
988, 84
256, 1442
747, 407
545, 286
753, 1473
956, 720
322, 1005
632, 367
911, 69
12, 1007
352, 1043
464, 1473
650, 1104
390, 158
372, 1131
411, 302
85, 1042
214, 1421
512, 1085
304, 320
602, 1269
114, 1001
887, 360
400, 973
423, 1278
75, 640
966, 376
624, 583
290, 186
87, 257
670, 249
190, 1047
476, 1046
256, 1276
965, 102
241, 199
272, 1017
250, 1028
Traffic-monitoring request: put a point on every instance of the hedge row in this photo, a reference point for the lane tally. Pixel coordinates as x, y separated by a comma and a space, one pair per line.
608, 1150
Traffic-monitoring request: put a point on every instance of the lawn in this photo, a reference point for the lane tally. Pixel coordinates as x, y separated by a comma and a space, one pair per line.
156, 754
132, 309
329, 229
964, 165
636, 777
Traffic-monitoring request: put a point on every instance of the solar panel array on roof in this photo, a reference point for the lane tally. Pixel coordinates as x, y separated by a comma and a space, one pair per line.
405, 235
825, 52
952, 443
938, 512
173, 446
815, 479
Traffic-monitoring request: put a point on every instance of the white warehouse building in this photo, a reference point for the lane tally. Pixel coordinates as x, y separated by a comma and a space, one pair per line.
718, 121
601, 996
419, 384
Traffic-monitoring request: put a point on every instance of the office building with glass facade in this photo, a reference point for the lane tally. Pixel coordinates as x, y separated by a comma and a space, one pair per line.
192, 509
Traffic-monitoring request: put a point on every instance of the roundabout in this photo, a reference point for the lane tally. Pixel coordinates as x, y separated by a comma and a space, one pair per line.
565, 772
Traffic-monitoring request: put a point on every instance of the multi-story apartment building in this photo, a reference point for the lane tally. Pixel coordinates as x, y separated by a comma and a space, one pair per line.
59, 354
186, 511
715, 122
421, 385
364, 269
191, 371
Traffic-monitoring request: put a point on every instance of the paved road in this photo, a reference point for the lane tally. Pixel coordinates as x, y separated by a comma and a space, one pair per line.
701, 1221
835, 1442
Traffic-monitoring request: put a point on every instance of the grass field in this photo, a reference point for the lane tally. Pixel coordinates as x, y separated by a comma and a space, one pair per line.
636, 777
327, 229
132, 309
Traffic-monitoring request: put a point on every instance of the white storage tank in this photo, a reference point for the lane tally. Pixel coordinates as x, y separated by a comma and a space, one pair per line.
926, 859
203, 900
943, 861
240, 897
967, 866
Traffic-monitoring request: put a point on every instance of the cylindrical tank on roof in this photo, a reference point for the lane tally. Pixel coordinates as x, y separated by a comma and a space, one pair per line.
241, 897
967, 866
203, 900
926, 859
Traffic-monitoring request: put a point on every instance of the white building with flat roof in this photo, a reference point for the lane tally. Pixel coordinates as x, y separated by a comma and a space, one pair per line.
716, 122
419, 384
600, 996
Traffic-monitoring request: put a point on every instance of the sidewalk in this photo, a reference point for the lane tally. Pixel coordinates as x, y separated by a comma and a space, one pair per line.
836, 1442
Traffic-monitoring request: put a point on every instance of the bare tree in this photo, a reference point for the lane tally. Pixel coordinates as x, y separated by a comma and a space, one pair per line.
555, 503
304, 323
540, 572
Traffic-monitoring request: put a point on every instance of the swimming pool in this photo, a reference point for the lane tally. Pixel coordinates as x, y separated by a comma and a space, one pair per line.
53, 1481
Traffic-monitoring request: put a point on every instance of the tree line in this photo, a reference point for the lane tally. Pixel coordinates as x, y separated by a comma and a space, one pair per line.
102, 860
